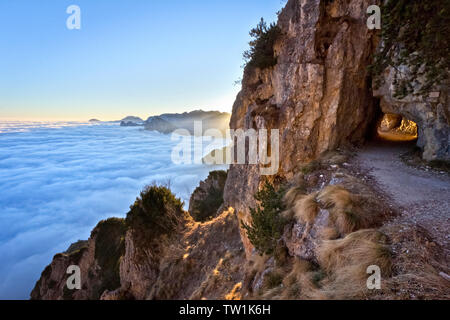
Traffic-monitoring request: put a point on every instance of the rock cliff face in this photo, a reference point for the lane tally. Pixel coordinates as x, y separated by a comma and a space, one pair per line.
98, 260
319, 94
207, 199
121, 261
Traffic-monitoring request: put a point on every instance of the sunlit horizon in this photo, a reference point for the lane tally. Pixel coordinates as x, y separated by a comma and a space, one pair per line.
130, 58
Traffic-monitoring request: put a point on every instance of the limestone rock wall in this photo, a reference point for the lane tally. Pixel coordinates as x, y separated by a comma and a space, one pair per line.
318, 94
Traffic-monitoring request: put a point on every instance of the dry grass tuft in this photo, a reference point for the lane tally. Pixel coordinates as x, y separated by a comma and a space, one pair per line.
329, 233
335, 197
273, 279
346, 262
301, 282
293, 195
341, 273
364, 247
348, 212
258, 262
306, 209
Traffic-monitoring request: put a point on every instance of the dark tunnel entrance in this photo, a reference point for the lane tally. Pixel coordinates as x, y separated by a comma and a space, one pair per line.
396, 128
392, 128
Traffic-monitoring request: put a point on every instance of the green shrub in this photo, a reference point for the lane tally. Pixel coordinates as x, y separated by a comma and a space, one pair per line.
267, 224
261, 54
157, 211
415, 33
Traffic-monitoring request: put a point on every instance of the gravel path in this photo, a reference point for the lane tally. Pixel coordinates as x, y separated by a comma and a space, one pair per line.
422, 197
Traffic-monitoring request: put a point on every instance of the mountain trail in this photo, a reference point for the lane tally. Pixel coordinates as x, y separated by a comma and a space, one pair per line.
421, 195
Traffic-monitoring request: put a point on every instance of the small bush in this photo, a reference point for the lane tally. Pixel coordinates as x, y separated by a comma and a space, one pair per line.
261, 54
266, 226
157, 210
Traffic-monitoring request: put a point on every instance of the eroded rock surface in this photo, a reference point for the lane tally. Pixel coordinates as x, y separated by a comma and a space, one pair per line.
207, 199
318, 94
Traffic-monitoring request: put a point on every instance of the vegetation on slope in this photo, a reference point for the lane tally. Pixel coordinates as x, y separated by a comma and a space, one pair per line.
265, 229
156, 210
415, 34
261, 53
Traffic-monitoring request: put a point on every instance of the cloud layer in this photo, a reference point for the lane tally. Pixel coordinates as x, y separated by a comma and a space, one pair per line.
58, 180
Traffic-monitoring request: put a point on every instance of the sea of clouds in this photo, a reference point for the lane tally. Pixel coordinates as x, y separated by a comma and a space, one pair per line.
58, 180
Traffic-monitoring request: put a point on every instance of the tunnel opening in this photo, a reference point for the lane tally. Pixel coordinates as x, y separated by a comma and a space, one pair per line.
391, 128
396, 128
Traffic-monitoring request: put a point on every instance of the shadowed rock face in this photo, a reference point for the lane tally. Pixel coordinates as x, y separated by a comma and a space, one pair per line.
207, 199
201, 261
98, 259
318, 94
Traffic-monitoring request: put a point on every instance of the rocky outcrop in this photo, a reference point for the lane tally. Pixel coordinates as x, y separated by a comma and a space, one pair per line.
98, 260
207, 199
318, 94
132, 259
431, 113
390, 121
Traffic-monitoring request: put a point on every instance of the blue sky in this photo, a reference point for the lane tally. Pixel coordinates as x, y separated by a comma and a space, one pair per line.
131, 57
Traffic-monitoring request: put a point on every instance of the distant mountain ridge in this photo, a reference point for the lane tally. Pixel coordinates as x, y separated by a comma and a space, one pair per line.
131, 121
168, 122
160, 125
